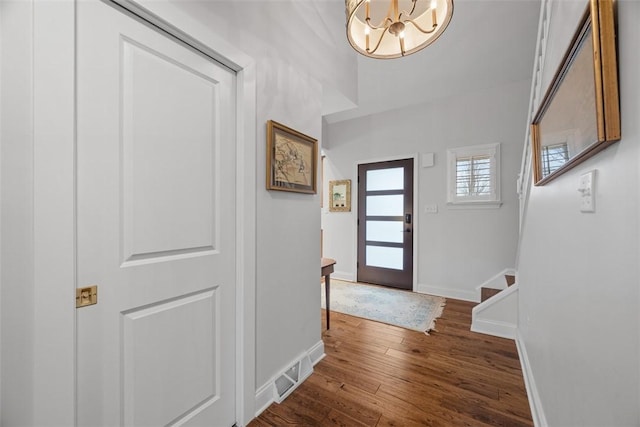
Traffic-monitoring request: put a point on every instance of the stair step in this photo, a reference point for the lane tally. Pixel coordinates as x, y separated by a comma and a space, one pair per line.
510, 279
486, 293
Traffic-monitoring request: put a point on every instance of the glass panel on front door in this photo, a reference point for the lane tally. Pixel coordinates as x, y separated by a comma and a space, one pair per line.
385, 205
385, 179
380, 256
385, 224
385, 231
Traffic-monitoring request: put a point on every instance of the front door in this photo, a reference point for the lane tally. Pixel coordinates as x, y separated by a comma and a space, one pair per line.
155, 227
385, 223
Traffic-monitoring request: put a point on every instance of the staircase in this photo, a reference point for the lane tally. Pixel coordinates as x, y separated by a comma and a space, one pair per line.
497, 314
487, 292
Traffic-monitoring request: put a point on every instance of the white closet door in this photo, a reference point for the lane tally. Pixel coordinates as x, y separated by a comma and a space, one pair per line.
156, 166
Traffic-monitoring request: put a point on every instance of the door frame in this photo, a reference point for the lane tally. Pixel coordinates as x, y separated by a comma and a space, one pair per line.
416, 210
53, 396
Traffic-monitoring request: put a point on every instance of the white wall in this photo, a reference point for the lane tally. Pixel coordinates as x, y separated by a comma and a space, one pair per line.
309, 34
579, 272
288, 264
457, 248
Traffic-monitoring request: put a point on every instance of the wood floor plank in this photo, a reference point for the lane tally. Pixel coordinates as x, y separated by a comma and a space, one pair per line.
430, 407
337, 418
301, 410
329, 393
382, 375
349, 376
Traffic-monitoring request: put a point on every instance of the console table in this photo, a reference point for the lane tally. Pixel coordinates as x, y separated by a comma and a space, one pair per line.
326, 270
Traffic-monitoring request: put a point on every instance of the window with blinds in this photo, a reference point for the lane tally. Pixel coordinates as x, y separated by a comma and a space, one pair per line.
474, 175
553, 157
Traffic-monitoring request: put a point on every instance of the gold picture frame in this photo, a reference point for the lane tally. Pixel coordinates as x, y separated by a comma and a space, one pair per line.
340, 196
580, 113
292, 159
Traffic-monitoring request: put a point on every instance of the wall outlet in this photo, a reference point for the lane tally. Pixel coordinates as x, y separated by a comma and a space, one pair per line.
587, 192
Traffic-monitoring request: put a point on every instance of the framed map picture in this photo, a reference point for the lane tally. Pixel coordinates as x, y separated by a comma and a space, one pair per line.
292, 159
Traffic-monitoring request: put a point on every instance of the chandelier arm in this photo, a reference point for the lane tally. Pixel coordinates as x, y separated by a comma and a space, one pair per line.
404, 12
420, 29
383, 24
379, 41
415, 2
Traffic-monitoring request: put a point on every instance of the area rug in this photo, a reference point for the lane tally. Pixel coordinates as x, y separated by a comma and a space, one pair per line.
406, 309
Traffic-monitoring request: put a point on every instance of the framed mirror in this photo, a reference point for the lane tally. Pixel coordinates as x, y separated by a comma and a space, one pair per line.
580, 113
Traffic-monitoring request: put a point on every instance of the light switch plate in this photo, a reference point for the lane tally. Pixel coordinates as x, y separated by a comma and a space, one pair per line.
586, 188
432, 208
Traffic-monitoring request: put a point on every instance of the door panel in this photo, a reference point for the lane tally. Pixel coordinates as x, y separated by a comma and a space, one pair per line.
155, 143
155, 372
385, 223
172, 105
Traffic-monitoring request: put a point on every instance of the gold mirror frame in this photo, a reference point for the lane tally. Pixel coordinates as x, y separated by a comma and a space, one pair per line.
559, 117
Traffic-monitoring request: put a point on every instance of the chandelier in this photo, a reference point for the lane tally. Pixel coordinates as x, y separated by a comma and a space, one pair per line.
394, 28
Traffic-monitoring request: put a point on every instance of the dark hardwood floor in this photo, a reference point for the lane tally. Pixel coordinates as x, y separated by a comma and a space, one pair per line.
380, 375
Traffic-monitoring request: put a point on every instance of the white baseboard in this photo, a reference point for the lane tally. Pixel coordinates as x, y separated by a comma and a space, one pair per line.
316, 353
266, 395
537, 412
447, 292
343, 275
495, 328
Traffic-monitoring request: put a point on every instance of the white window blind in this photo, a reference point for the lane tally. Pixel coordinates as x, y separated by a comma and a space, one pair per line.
553, 157
474, 175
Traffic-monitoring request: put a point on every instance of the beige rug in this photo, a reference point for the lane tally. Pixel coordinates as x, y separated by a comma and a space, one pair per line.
406, 309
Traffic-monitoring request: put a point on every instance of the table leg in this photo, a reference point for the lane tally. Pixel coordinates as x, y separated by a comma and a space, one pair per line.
327, 287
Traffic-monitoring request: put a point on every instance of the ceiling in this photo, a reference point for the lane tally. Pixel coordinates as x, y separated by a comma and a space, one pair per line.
488, 43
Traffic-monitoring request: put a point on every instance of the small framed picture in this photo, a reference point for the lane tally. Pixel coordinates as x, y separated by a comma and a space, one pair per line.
340, 196
292, 159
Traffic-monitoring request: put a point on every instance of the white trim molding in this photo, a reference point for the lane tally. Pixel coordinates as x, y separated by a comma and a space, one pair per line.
440, 291
316, 353
497, 316
495, 328
495, 282
268, 392
344, 276
537, 411
524, 176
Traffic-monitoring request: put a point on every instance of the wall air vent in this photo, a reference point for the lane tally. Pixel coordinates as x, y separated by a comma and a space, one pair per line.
291, 378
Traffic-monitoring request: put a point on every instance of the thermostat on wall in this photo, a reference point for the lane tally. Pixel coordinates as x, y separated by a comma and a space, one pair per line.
427, 160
